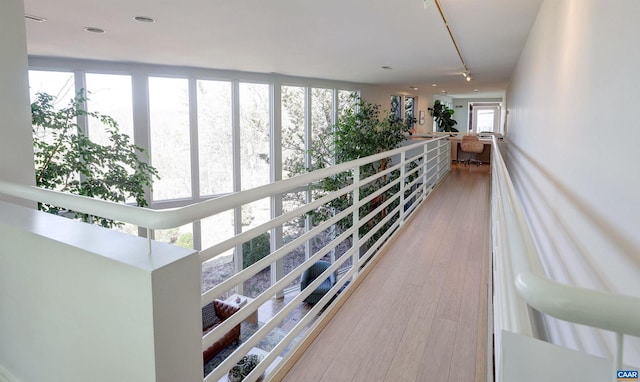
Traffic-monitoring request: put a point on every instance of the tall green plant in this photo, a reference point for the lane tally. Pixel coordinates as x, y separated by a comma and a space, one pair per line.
67, 160
359, 132
443, 115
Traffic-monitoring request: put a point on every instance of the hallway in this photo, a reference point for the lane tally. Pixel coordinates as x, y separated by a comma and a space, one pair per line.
420, 314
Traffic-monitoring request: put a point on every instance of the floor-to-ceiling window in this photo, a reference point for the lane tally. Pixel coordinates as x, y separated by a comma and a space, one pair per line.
215, 161
255, 125
170, 138
109, 94
294, 158
409, 108
208, 133
59, 84
215, 130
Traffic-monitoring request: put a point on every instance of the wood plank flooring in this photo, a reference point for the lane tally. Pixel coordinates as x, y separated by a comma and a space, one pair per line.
421, 313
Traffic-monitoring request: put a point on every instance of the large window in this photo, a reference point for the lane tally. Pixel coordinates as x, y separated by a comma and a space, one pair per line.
254, 134
395, 110
109, 94
57, 84
60, 85
293, 130
294, 151
170, 138
409, 108
225, 136
215, 147
346, 100
255, 171
321, 114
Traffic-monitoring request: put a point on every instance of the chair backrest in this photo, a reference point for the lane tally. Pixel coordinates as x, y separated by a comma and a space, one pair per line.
314, 271
471, 144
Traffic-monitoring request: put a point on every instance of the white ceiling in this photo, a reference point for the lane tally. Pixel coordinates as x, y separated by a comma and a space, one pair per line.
347, 40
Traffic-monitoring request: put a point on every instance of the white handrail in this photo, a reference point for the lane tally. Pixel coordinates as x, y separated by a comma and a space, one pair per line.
518, 267
614, 312
175, 217
433, 164
353, 253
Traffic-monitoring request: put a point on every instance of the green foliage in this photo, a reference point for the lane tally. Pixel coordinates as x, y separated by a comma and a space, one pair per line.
67, 160
363, 131
255, 249
246, 364
443, 115
185, 240
175, 237
359, 132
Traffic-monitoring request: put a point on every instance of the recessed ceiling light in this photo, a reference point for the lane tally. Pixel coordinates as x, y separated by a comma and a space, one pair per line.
444, 92
434, 85
386, 67
144, 19
35, 18
475, 90
413, 88
94, 30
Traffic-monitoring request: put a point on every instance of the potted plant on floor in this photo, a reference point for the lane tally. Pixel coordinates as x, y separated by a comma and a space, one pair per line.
243, 367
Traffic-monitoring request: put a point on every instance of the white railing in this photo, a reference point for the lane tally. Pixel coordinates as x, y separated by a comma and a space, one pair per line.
520, 284
414, 171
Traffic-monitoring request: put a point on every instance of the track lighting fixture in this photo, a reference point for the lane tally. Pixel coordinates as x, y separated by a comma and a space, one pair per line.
37, 19
465, 73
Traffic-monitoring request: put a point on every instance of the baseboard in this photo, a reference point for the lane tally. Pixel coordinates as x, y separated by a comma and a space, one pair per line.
5, 376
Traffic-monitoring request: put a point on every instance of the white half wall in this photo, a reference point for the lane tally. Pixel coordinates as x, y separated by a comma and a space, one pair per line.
16, 145
82, 303
573, 152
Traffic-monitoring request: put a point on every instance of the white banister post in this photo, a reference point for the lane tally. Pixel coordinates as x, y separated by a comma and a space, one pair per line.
617, 361
442, 144
448, 150
403, 170
355, 259
425, 168
16, 146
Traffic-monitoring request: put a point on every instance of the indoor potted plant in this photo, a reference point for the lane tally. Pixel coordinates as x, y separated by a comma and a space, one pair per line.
246, 364
442, 115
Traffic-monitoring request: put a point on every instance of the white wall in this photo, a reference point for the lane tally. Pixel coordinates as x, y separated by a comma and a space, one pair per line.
16, 145
82, 303
573, 151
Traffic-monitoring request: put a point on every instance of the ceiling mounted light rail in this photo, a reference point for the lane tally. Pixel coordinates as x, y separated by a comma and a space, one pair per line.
465, 73
37, 19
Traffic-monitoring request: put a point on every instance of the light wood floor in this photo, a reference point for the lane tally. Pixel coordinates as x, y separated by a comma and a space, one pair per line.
421, 313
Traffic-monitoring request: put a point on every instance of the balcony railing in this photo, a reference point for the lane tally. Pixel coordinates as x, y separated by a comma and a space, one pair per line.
414, 171
521, 289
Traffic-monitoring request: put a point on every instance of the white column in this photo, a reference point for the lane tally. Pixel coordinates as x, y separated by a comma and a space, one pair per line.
16, 144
